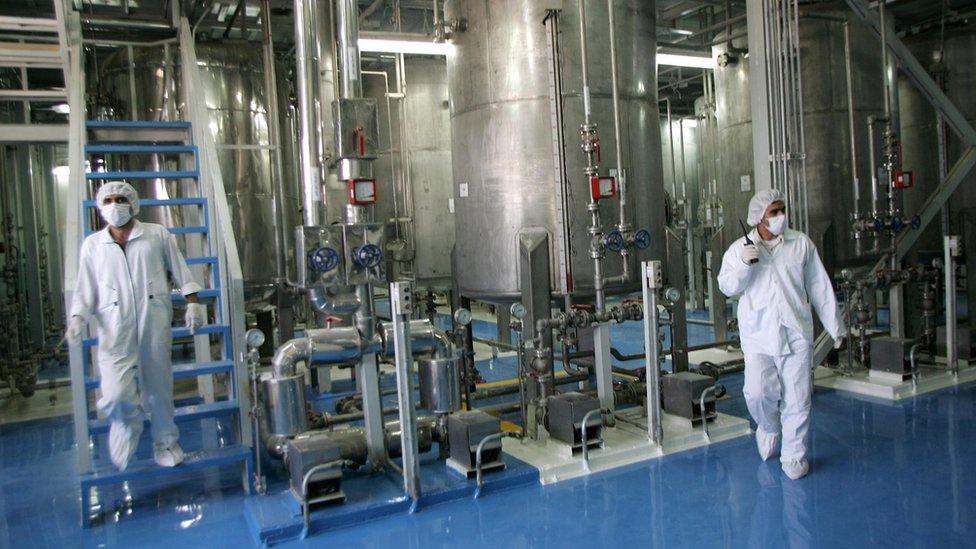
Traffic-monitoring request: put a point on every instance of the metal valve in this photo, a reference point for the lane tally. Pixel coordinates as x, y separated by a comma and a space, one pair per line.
323, 259
642, 239
369, 256
614, 241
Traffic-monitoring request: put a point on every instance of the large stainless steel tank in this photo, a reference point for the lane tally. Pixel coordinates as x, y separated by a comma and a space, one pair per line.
829, 187
418, 151
504, 172
234, 91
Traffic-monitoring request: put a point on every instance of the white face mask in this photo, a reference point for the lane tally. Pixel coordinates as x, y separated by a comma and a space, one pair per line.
116, 214
777, 225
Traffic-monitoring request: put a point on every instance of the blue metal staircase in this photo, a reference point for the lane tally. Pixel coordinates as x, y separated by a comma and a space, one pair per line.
204, 365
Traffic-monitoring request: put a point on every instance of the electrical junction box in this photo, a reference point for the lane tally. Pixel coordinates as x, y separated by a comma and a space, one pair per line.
465, 430
305, 453
362, 192
603, 187
682, 395
892, 355
566, 413
964, 342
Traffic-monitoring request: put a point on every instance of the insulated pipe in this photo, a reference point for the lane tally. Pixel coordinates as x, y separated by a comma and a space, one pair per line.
274, 137
584, 63
348, 37
307, 149
874, 166
345, 344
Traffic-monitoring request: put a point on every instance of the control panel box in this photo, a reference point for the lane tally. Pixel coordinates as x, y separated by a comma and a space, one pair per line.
356, 128
364, 259
320, 256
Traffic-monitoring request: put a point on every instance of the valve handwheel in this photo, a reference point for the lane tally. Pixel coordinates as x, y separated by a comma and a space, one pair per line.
323, 259
642, 239
369, 256
614, 241
916, 223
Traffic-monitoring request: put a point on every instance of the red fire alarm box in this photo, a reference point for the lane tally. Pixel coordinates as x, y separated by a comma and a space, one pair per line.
902, 180
603, 187
362, 192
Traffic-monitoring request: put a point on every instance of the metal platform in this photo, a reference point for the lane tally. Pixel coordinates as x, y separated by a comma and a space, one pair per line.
888, 387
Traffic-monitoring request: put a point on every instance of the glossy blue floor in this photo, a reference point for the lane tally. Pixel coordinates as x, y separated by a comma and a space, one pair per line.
883, 475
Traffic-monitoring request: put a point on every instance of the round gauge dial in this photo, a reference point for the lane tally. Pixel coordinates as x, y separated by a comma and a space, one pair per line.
254, 338
462, 317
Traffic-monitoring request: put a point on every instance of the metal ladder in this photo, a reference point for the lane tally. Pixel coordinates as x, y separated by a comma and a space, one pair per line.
211, 249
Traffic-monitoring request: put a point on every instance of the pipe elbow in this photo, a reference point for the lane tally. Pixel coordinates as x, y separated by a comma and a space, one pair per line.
287, 357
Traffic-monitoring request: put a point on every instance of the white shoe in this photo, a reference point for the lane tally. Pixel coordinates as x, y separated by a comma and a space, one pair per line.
168, 457
767, 443
123, 440
796, 468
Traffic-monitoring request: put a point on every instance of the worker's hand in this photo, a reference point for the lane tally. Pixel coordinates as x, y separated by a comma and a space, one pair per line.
196, 316
749, 254
839, 342
73, 331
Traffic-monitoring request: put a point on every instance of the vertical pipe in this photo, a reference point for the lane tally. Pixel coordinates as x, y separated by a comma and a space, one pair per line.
348, 38
307, 149
584, 62
615, 87
674, 167
274, 136
400, 294
874, 167
850, 118
649, 272
950, 244
884, 58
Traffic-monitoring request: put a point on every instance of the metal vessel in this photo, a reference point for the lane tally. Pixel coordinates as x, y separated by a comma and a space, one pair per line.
234, 83
413, 167
825, 123
504, 157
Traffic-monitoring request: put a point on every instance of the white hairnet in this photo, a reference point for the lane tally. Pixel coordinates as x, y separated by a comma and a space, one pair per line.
759, 203
118, 187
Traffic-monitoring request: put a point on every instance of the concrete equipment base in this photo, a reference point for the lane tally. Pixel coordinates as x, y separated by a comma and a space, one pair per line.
892, 387
624, 444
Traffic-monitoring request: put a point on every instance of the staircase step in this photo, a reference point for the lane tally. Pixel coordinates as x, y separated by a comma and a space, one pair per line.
207, 260
146, 468
184, 174
137, 124
188, 230
149, 202
184, 370
139, 149
178, 332
181, 415
202, 294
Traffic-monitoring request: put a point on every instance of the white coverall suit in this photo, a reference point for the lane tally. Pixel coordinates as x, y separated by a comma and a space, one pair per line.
776, 331
128, 293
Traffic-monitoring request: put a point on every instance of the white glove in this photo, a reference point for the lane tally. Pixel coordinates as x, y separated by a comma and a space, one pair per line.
196, 316
749, 253
839, 342
74, 330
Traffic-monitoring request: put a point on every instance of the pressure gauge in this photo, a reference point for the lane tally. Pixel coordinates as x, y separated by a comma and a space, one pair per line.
672, 294
254, 338
362, 191
462, 317
517, 311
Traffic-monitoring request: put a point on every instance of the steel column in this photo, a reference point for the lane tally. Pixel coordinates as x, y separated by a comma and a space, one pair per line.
401, 306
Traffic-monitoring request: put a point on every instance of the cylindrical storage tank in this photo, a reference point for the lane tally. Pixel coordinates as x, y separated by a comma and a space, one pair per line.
440, 384
825, 125
234, 90
504, 157
285, 406
415, 155
680, 144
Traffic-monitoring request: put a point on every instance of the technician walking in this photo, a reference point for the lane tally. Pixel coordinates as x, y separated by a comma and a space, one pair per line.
777, 276
123, 285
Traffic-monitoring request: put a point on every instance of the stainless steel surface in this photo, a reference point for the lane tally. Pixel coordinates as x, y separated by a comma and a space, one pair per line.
651, 281
413, 167
825, 126
503, 165
234, 92
285, 406
440, 384
347, 31
401, 307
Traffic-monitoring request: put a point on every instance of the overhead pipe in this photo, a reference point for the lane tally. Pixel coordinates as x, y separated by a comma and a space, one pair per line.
309, 172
